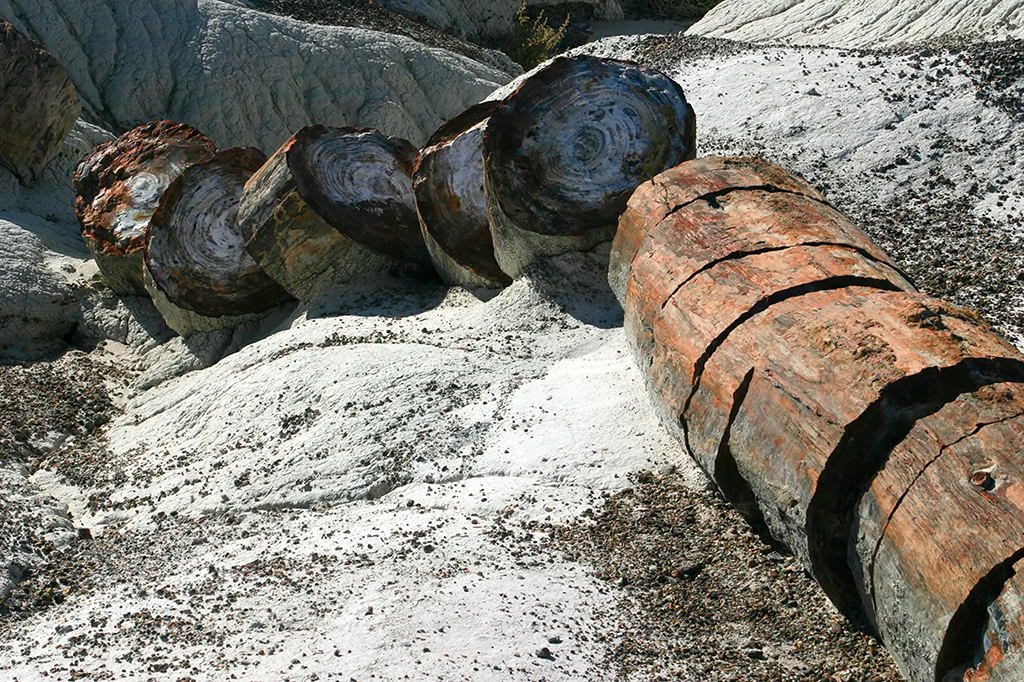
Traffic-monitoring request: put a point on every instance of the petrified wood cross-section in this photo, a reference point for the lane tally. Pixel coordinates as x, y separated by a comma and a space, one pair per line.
449, 185
564, 151
875, 430
118, 187
197, 270
329, 204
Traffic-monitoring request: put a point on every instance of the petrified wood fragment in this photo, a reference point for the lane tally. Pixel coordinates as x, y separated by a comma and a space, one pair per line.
118, 187
197, 270
875, 430
563, 153
38, 104
449, 185
330, 203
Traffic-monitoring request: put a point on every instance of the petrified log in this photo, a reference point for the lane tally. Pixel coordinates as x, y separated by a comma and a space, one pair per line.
873, 429
118, 187
38, 104
330, 203
563, 153
197, 270
449, 186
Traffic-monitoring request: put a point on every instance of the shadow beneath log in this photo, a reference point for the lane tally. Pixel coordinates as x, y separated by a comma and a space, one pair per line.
378, 294
578, 283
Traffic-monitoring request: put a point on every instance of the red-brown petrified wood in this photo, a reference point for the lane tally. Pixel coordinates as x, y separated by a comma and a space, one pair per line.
38, 104
449, 184
118, 187
875, 430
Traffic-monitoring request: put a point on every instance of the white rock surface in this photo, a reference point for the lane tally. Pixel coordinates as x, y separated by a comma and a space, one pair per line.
864, 23
42, 256
378, 450
246, 78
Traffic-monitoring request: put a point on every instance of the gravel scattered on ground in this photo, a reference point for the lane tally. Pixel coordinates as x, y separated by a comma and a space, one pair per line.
706, 598
63, 398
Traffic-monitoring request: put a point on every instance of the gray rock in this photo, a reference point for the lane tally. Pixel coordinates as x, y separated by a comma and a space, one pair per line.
243, 77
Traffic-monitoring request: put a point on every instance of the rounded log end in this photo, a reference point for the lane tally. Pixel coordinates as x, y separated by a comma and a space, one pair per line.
118, 187
448, 182
38, 107
360, 181
568, 147
195, 252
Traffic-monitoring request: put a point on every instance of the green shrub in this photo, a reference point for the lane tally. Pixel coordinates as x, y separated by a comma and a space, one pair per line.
532, 39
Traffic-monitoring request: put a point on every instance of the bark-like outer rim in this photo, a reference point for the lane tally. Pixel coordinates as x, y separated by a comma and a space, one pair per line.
387, 226
543, 208
94, 175
209, 298
472, 249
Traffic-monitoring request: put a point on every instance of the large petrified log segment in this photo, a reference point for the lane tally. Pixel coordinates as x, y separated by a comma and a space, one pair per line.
564, 151
673, 189
118, 187
817, 364
914, 527
38, 104
729, 226
288, 239
360, 181
201, 277
449, 186
878, 431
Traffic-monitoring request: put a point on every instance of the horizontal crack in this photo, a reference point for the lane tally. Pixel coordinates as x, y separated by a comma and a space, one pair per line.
769, 249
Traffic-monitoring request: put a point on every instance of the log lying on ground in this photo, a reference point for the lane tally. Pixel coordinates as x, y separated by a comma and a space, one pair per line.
331, 203
197, 270
875, 430
38, 104
563, 153
449, 186
118, 187
909, 518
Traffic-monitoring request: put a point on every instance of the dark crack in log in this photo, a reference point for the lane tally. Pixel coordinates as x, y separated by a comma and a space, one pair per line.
563, 153
874, 430
287, 237
653, 201
38, 104
987, 632
942, 473
449, 186
118, 187
197, 269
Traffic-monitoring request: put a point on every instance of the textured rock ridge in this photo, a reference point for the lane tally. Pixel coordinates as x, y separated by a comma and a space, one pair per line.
867, 23
243, 77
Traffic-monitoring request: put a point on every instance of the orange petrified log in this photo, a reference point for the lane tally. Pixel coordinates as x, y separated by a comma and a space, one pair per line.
875, 430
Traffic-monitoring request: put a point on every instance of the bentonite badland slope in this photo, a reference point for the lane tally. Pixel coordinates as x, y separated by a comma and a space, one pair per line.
404, 480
